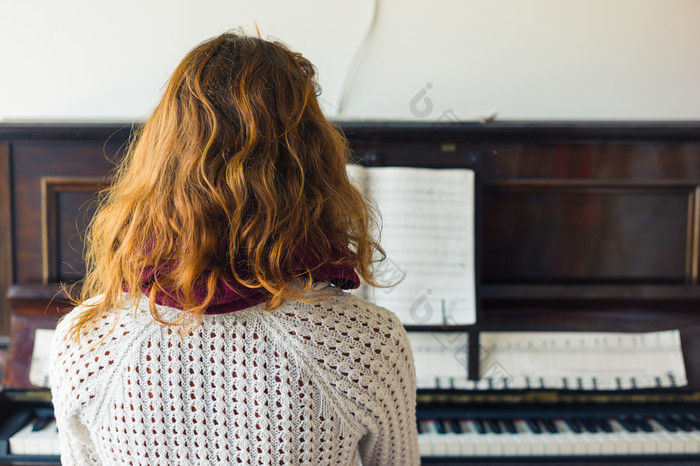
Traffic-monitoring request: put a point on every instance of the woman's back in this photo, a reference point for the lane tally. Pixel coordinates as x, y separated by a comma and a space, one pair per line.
304, 384
230, 208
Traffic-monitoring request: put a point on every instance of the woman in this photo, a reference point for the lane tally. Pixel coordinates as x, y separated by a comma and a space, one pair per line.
213, 326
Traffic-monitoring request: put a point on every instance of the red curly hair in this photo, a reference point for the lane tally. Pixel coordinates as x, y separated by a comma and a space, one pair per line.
237, 165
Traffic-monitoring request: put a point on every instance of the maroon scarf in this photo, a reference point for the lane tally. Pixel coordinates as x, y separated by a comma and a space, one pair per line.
230, 295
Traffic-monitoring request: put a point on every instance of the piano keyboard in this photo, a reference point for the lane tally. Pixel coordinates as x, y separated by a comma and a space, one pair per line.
28, 436
579, 435
676, 434
38, 437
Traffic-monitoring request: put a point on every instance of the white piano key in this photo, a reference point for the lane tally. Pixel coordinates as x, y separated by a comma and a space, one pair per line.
482, 447
493, 441
675, 438
469, 436
651, 444
42, 442
607, 443
625, 443
450, 440
510, 447
662, 440
684, 442
570, 442
522, 439
593, 444
533, 443
692, 445
425, 446
634, 439
426, 438
551, 446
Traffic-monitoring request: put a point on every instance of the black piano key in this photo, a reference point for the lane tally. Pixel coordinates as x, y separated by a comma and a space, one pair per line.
534, 426
693, 420
643, 424
456, 428
510, 426
438, 426
628, 423
479, 426
590, 425
466, 426
604, 425
40, 424
682, 422
666, 423
574, 424
549, 425
495, 426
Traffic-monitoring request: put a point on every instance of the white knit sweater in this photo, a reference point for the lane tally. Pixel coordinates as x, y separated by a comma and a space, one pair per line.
320, 384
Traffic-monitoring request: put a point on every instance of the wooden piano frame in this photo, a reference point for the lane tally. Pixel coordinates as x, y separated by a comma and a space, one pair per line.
586, 226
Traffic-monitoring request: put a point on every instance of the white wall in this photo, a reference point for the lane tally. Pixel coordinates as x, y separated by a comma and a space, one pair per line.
92, 59
529, 59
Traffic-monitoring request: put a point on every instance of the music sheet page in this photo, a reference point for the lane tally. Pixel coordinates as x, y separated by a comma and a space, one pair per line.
428, 236
39, 366
583, 360
551, 360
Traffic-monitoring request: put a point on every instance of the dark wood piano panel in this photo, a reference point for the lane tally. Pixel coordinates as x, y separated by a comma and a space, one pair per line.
612, 233
48, 177
64, 161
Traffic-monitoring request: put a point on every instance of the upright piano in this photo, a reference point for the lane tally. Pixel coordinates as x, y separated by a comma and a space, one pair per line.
586, 227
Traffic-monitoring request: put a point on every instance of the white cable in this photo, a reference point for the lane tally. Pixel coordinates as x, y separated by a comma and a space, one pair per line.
357, 59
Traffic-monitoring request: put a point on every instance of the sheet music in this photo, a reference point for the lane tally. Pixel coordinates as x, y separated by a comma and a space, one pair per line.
440, 358
584, 360
551, 360
39, 368
428, 235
